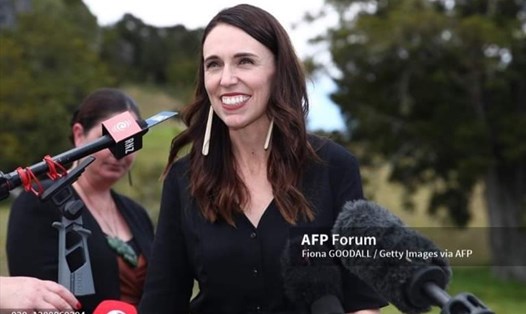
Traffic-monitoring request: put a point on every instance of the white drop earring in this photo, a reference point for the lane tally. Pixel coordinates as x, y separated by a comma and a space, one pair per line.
269, 134
208, 132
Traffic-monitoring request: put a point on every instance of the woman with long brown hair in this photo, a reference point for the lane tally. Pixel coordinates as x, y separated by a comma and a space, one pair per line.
252, 174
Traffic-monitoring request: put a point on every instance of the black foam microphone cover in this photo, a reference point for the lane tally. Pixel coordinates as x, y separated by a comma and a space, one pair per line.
312, 284
392, 276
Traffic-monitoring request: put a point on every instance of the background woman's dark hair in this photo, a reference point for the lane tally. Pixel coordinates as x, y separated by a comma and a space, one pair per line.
214, 181
100, 105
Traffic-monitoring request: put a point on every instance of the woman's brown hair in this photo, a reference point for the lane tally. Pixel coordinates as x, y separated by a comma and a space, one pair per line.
214, 181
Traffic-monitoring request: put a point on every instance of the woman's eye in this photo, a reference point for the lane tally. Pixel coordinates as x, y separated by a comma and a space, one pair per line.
210, 64
246, 61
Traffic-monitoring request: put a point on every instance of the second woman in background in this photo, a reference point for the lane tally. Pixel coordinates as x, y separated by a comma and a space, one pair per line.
117, 223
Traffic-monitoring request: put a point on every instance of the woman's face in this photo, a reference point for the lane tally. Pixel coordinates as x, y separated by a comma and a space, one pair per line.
105, 169
238, 76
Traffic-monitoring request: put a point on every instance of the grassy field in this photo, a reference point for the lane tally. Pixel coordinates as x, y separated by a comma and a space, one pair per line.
502, 297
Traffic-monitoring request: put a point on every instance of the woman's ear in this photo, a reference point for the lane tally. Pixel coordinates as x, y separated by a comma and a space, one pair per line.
78, 134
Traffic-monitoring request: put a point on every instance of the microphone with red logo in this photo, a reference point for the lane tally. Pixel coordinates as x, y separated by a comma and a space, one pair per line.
115, 307
122, 134
125, 132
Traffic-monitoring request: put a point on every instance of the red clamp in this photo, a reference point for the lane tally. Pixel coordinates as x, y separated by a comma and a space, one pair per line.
27, 177
52, 165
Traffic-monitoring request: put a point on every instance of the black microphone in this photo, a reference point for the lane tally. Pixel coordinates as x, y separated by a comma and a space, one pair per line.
312, 284
121, 134
403, 266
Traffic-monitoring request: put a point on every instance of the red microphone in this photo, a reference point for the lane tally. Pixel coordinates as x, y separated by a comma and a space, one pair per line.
115, 307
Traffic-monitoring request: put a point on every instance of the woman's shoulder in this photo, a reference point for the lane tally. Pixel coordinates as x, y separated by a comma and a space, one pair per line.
330, 151
126, 200
28, 202
179, 168
129, 204
134, 213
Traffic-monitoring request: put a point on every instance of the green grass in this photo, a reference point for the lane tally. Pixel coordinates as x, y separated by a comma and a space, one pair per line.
152, 99
4, 214
501, 296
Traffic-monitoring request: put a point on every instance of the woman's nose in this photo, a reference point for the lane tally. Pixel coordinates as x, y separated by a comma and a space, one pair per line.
228, 76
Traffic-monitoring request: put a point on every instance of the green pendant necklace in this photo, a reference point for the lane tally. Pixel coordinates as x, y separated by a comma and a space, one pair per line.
123, 249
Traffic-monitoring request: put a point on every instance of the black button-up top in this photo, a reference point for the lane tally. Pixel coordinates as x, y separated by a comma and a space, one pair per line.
237, 269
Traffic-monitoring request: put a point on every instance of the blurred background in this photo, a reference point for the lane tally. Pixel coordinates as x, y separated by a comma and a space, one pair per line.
429, 94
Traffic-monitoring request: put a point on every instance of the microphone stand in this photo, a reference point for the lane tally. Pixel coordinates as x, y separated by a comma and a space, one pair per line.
428, 285
74, 269
4, 186
119, 144
74, 266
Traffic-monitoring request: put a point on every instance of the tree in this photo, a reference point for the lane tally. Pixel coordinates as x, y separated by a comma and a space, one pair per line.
439, 89
48, 64
138, 52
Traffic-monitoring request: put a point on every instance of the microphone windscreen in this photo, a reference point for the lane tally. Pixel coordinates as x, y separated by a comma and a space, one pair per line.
115, 307
396, 256
307, 280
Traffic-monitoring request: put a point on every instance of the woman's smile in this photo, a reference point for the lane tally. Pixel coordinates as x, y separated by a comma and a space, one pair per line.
235, 102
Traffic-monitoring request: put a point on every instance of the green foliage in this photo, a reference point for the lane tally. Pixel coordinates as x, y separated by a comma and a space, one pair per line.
436, 89
138, 52
48, 63
56, 54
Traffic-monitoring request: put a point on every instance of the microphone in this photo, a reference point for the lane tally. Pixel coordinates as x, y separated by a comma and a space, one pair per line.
115, 307
312, 284
401, 264
121, 134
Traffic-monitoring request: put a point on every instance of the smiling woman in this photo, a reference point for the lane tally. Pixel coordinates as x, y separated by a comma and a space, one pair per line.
253, 175
237, 79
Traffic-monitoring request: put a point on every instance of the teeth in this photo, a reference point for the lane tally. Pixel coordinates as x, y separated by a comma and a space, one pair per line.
234, 100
